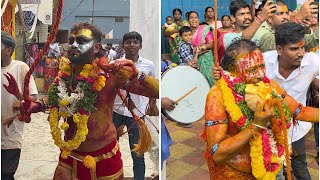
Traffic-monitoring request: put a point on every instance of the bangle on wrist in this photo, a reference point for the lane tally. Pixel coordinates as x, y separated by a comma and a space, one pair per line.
297, 111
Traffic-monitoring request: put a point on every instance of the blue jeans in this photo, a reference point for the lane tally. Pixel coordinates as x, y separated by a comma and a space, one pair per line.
134, 136
316, 135
9, 163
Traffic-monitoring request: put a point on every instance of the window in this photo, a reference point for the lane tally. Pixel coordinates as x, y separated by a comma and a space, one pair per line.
118, 19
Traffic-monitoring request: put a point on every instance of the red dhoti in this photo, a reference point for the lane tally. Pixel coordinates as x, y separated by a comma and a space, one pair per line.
108, 163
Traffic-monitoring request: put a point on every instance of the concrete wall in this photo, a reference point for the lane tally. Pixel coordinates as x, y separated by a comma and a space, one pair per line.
144, 18
104, 15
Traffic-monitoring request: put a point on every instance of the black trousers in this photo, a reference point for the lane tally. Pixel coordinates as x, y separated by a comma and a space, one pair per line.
9, 163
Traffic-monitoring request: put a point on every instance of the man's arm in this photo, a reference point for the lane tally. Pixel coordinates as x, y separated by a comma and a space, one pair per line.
266, 12
128, 77
299, 112
217, 134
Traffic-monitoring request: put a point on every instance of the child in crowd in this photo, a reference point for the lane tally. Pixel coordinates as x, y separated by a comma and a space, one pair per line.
169, 27
186, 53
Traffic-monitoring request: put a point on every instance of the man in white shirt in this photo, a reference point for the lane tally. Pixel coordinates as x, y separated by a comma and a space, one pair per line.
132, 43
11, 134
294, 70
112, 54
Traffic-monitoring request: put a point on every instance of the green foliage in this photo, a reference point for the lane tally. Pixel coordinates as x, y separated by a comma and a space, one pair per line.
89, 99
240, 88
53, 95
246, 110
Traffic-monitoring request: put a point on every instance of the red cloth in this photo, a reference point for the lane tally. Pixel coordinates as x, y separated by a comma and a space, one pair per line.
105, 167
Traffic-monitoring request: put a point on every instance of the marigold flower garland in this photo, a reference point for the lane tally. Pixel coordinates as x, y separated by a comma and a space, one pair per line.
77, 104
267, 151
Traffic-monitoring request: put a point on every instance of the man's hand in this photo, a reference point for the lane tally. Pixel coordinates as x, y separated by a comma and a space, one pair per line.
12, 88
116, 65
262, 117
216, 73
306, 10
267, 10
307, 25
167, 104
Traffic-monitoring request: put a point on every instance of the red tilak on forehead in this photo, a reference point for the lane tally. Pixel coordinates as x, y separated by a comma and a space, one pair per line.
300, 44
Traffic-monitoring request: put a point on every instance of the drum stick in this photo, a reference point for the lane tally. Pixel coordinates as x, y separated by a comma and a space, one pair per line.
186, 94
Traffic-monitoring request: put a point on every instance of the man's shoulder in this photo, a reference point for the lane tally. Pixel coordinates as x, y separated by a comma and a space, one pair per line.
19, 63
311, 59
145, 61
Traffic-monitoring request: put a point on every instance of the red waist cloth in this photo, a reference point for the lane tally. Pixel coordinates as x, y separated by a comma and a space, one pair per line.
106, 167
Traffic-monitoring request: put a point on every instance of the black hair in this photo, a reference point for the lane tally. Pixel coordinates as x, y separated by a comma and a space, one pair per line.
225, 16
109, 44
187, 14
192, 12
288, 33
203, 23
169, 17
184, 29
97, 34
176, 9
232, 51
132, 35
237, 5
100, 53
8, 41
207, 8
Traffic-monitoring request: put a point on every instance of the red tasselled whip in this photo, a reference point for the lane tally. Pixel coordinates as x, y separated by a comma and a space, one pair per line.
50, 39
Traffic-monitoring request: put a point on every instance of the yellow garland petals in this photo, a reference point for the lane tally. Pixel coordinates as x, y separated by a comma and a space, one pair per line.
89, 162
256, 149
64, 115
65, 154
76, 118
64, 103
64, 126
229, 101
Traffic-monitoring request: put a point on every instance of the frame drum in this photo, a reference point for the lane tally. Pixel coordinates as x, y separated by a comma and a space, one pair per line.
177, 82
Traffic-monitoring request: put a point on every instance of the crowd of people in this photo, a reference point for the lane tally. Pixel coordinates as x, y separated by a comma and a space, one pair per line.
265, 44
92, 109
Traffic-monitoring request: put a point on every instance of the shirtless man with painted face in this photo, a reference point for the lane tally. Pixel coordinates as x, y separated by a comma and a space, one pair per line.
246, 137
83, 96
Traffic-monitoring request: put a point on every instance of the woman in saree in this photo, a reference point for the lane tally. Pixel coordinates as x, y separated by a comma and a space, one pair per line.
203, 40
52, 69
209, 17
177, 15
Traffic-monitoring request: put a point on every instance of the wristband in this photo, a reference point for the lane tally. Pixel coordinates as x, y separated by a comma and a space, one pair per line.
214, 149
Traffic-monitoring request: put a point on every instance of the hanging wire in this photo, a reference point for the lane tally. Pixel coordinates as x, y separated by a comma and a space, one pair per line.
92, 12
72, 11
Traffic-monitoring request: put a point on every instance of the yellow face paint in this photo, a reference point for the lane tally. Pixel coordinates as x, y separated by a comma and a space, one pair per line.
83, 32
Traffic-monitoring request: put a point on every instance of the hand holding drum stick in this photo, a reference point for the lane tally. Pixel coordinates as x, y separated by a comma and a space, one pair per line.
185, 95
